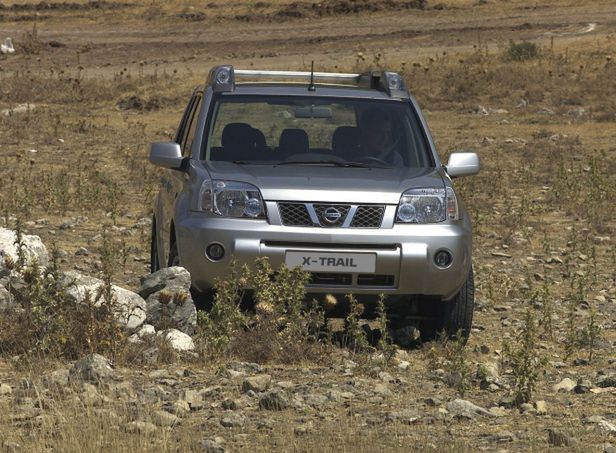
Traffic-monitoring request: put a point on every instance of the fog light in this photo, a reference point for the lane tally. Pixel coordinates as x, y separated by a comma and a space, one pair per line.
215, 252
442, 258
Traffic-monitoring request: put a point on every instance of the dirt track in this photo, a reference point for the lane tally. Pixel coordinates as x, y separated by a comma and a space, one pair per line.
109, 37
544, 128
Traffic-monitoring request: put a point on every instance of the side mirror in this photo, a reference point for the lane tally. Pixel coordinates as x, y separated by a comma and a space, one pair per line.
462, 164
167, 154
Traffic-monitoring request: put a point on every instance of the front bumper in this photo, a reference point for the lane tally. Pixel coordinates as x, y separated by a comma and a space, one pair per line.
404, 253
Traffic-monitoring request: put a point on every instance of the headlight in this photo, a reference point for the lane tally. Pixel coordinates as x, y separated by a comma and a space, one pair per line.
427, 206
231, 199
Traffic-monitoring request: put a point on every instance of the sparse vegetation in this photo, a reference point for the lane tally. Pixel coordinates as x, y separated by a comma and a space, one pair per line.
523, 50
539, 112
524, 358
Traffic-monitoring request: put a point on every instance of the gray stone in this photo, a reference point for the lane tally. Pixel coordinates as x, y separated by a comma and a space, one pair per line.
168, 277
274, 399
465, 409
93, 368
607, 428
128, 307
560, 438
258, 383
405, 336
606, 378
57, 379
245, 367
583, 386
406, 416
142, 428
165, 419
381, 389
316, 400
145, 332
33, 248
5, 389
178, 340
6, 301
501, 437
211, 446
233, 421
567, 385
179, 311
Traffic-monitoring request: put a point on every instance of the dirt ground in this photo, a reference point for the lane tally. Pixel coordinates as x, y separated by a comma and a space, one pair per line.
103, 79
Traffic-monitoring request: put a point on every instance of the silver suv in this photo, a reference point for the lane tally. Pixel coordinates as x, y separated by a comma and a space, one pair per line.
336, 173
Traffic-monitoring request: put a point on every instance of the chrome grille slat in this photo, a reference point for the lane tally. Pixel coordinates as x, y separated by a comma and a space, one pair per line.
368, 217
294, 214
314, 215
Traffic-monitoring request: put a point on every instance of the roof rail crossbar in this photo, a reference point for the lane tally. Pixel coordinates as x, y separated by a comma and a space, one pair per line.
223, 78
323, 77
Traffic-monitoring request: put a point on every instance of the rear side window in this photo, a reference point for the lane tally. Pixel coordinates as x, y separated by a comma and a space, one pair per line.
258, 129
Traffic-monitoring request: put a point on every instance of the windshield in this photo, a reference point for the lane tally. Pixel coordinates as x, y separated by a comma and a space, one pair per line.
309, 131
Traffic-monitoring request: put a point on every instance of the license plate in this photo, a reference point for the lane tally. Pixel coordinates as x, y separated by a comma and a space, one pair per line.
331, 261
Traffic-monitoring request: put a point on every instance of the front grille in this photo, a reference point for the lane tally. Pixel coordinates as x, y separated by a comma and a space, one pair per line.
331, 215
368, 217
375, 280
294, 214
323, 278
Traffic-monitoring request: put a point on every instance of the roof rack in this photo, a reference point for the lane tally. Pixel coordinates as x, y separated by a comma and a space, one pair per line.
319, 77
224, 78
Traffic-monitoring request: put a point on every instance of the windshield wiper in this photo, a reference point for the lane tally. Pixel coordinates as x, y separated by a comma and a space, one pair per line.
333, 163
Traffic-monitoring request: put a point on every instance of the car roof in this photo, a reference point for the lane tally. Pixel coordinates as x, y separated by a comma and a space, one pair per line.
293, 89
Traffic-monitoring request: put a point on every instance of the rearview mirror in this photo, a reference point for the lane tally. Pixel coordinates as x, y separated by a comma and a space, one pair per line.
167, 155
462, 164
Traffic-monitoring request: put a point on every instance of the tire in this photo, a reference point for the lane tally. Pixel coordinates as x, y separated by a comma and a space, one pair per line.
174, 258
457, 315
154, 262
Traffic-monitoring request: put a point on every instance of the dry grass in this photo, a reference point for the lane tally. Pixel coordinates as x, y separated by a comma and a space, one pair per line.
541, 207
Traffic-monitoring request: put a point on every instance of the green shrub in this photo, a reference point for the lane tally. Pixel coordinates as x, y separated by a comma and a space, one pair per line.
283, 327
521, 51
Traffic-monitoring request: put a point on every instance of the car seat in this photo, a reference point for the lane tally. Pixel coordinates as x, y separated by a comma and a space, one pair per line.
345, 141
293, 141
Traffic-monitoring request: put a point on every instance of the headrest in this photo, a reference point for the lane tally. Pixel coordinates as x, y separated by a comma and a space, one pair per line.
294, 141
237, 135
345, 139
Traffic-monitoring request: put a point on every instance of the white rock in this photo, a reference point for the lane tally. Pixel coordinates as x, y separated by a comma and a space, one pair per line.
178, 340
567, 384
129, 307
606, 427
463, 408
34, 249
146, 330
7, 46
5, 299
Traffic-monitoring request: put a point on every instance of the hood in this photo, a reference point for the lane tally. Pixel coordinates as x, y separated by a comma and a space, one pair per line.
327, 184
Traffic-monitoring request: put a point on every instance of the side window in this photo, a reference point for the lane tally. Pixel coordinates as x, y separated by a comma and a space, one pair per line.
181, 133
191, 127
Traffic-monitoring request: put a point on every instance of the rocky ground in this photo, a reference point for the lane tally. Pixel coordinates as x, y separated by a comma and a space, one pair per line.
90, 84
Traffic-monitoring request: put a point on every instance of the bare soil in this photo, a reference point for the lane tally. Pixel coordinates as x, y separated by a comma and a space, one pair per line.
106, 78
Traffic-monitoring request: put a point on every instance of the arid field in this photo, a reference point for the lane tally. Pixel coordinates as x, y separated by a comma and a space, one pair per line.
528, 85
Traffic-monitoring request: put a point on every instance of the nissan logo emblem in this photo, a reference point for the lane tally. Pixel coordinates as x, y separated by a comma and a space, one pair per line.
331, 215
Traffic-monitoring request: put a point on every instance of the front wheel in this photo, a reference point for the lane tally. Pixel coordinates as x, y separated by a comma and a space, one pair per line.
154, 263
457, 314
